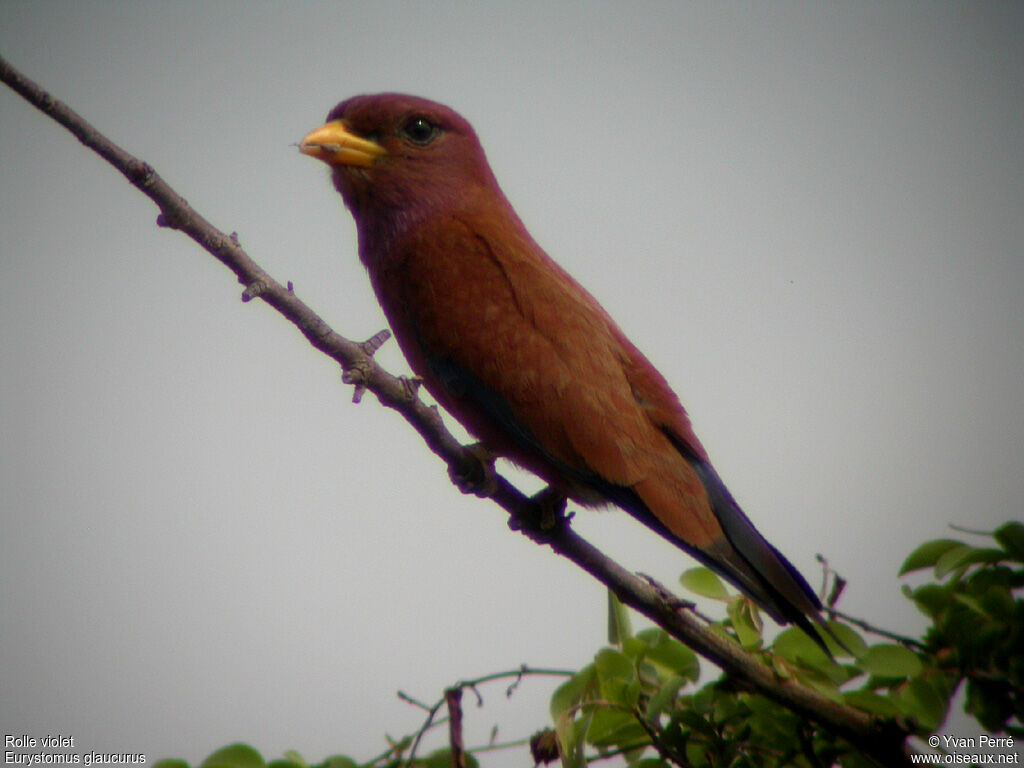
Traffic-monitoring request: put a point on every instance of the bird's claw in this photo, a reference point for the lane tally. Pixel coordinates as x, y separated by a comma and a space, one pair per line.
476, 475
552, 503
545, 510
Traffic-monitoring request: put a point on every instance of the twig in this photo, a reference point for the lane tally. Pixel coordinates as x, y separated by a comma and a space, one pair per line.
830, 606
881, 740
666, 753
807, 746
432, 710
908, 641
427, 725
523, 671
395, 749
972, 531
415, 702
453, 700
613, 753
498, 746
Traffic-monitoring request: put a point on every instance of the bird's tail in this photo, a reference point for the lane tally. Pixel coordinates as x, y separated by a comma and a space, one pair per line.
746, 559
750, 562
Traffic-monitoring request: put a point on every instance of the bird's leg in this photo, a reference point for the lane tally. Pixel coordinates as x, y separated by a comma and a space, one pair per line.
545, 510
552, 503
476, 475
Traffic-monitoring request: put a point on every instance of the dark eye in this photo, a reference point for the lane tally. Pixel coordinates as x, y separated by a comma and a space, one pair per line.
420, 130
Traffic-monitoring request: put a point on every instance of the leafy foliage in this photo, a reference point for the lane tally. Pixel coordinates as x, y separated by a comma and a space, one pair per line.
977, 630
643, 695
639, 697
244, 756
628, 701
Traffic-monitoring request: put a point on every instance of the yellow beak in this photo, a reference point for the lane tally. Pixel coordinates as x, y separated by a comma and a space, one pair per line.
336, 145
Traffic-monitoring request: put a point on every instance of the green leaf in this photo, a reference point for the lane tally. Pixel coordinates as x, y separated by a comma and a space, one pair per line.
617, 677
793, 645
982, 556
871, 702
294, 757
848, 636
703, 582
856, 760
769, 720
931, 599
957, 557
697, 754
565, 732
745, 622
234, 756
635, 648
612, 664
571, 733
927, 554
339, 761
703, 701
442, 758
572, 691
619, 627
818, 679
889, 660
1011, 538
831, 672
990, 702
924, 701
614, 727
783, 668
998, 602
663, 697
669, 653
971, 603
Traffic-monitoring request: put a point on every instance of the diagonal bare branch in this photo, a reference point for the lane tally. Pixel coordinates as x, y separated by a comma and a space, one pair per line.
881, 740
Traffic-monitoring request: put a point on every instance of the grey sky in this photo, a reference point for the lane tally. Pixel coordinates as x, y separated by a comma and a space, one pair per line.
809, 216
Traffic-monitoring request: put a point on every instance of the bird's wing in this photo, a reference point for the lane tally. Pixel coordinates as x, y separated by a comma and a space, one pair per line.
511, 339
528, 360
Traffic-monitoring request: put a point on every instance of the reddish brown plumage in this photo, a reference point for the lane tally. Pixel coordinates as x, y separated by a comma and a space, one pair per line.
518, 351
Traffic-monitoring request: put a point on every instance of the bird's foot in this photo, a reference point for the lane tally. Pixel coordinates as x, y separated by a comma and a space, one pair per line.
545, 510
476, 475
552, 503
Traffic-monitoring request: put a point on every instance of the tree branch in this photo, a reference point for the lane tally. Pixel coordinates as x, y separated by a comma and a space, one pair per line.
881, 740
453, 699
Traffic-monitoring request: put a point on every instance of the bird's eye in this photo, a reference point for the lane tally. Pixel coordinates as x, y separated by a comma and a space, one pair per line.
420, 130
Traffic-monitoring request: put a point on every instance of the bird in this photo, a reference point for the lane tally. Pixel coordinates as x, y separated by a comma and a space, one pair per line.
520, 353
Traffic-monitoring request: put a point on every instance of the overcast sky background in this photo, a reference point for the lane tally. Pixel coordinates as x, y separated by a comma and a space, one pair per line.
809, 216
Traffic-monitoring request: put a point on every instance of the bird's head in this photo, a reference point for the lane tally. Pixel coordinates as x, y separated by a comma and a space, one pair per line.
397, 160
